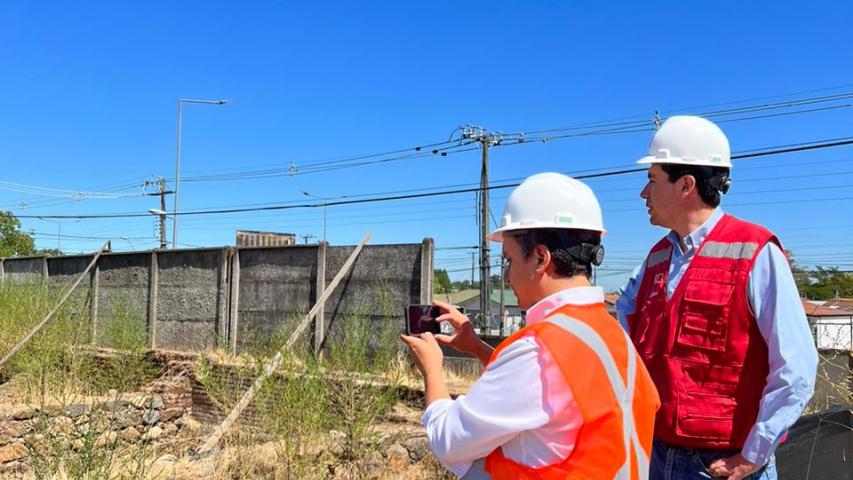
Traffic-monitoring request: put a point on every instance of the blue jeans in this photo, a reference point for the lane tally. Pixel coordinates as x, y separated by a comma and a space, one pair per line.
673, 463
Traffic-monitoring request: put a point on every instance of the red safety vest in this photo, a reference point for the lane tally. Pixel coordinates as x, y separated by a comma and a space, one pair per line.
612, 389
697, 345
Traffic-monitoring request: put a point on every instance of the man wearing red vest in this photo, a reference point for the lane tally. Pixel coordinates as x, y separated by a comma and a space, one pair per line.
715, 314
565, 397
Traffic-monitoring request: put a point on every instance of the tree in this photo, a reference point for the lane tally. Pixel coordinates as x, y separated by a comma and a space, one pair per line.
14, 242
463, 285
822, 283
442, 282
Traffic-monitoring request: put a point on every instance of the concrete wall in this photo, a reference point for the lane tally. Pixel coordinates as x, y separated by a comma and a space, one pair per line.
190, 298
238, 298
23, 270
275, 286
377, 289
122, 293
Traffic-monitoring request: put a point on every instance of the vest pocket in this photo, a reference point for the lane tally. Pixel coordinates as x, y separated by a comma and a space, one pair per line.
704, 315
705, 415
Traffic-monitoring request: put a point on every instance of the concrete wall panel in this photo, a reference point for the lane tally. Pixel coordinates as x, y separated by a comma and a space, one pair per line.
66, 270
277, 286
383, 280
122, 295
187, 296
23, 270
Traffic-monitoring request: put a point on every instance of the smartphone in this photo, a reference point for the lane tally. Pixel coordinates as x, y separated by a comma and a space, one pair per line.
421, 318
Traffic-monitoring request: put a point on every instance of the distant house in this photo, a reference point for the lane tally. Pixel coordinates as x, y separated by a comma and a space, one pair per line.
252, 238
831, 322
513, 318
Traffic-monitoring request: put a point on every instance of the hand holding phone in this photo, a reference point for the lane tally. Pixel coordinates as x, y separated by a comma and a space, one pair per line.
422, 318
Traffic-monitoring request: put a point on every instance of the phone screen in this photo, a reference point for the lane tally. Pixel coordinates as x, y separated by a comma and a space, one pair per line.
421, 318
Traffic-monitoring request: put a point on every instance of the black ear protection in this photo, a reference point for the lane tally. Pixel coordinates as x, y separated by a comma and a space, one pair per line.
721, 181
587, 252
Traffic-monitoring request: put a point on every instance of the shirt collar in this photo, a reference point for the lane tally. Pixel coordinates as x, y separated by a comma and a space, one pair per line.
570, 296
696, 237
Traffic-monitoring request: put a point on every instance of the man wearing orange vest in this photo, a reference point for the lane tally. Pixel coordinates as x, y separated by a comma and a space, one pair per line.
715, 314
565, 397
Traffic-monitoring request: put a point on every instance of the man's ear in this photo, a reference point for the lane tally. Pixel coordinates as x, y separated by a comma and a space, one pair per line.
687, 184
543, 258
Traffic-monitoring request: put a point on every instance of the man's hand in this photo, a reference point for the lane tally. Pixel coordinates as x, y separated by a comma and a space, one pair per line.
428, 357
464, 339
733, 468
425, 352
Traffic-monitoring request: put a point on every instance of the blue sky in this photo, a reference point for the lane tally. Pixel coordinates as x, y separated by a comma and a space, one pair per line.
88, 104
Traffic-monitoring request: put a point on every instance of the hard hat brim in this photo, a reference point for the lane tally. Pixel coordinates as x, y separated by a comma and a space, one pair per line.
651, 160
497, 235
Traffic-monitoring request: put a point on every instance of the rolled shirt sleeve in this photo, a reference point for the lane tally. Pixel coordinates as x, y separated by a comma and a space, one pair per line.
506, 400
792, 356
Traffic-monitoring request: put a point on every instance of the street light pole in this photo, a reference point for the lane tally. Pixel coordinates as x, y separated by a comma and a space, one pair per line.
59, 233
124, 237
178, 161
325, 204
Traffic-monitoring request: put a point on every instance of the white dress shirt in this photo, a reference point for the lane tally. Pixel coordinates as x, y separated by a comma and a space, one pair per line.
521, 403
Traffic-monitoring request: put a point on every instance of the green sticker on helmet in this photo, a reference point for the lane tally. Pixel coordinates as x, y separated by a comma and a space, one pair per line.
716, 159
567, 219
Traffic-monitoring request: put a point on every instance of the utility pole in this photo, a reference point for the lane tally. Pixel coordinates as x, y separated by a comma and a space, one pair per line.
162, 184
503, 301
307, 237
473, 264
162, 192
486, 139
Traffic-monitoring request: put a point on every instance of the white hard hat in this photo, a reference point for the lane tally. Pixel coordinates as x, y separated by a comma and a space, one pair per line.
550, 200
689, 140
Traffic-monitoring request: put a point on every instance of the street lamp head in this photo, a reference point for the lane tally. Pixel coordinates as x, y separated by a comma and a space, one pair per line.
156, 211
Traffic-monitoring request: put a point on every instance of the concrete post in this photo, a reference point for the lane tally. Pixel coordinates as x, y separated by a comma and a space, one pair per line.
222, 294
2, 271
234, 307
44, 271
94, 292
320, 319
153, 282
427, 248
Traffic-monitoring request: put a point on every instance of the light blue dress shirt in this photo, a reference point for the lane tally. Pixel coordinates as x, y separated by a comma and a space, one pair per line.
775, 302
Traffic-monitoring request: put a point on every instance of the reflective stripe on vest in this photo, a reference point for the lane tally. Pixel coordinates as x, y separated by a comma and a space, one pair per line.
624, 392
732, 251
658, 257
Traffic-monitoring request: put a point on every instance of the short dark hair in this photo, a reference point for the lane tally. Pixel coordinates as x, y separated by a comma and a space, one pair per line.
558, 241
706, 178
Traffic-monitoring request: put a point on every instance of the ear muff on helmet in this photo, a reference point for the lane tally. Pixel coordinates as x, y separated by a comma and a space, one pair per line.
588, 253
721, 181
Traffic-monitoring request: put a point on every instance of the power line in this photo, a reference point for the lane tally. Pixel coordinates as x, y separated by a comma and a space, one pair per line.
758, 152
44, 234
518, 138
452, 146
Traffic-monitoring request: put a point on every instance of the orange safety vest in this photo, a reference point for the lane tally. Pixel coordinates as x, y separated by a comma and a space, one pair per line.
612, 389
